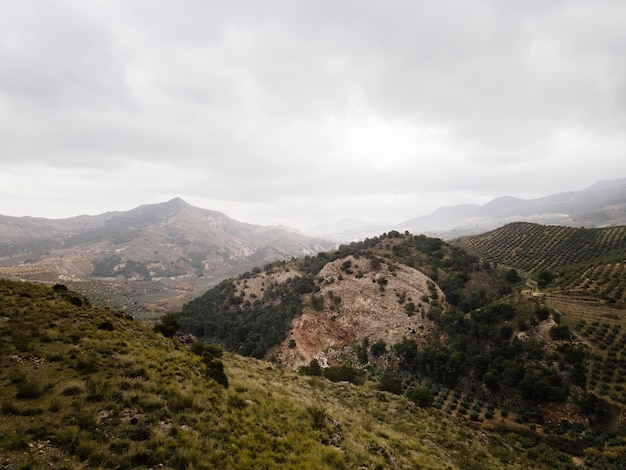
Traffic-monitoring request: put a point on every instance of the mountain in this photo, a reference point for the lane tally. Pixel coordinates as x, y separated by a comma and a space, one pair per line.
601, 205
161, 254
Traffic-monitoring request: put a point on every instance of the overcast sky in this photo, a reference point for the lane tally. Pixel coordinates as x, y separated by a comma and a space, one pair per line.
304, 112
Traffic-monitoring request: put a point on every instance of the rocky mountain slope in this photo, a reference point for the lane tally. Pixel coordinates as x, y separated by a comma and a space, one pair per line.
324, 307
353, 301
175, 249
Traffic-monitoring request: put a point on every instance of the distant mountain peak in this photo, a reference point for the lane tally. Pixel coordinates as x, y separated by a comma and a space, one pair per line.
177, 203
606, 184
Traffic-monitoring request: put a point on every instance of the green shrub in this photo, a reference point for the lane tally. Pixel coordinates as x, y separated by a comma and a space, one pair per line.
313, 369
9, 408
317, 415
168, 325
378, 348
390, 383
421, 396
28, 390
72, 390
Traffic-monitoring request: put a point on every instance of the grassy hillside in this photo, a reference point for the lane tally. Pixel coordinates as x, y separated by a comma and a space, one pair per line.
586, 262
82, 387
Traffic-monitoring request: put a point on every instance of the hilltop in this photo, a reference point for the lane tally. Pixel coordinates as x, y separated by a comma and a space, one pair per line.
149, 259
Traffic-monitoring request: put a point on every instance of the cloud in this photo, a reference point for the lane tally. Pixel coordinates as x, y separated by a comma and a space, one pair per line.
308, 109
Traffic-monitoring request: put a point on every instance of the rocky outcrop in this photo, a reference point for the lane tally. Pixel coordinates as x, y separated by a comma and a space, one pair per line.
360, 299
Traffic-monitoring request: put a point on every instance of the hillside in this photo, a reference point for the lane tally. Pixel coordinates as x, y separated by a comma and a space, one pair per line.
84, 387
149, 259
350, 289
579, 261
425, 319
416, 307
579, 273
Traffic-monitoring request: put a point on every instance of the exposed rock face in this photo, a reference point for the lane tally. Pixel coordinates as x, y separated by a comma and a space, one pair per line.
358, 301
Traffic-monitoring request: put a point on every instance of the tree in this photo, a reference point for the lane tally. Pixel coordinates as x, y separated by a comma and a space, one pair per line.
512, 276
421, 396
542, 313
491, 380
544, 278
168, 325
560, 332
314, 369
390, 383
378, 348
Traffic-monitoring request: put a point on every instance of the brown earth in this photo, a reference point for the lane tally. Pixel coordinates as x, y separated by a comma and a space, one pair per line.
357, 304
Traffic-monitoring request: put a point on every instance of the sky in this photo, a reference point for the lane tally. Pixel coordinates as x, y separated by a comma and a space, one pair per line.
304, 112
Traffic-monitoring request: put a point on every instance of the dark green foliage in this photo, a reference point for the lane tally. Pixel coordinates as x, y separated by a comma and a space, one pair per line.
407, 353
594, 407
390, 383
361, 351
317, 302
378, 348
168, 325
560, 333
421, 396
219, 316
215, 370
106, 326
210, 354
506, 332
544, 278
512, 276
491, 380
542, 313
313, 369
542, 385
343, 373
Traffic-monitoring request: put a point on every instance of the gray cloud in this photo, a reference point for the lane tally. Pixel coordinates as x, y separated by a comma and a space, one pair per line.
307, 110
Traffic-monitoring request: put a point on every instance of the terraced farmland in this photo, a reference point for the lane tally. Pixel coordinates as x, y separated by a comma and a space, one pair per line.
589, 263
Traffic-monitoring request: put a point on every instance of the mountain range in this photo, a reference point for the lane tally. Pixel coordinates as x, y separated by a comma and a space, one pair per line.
170, 250
603, 204
156, 257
